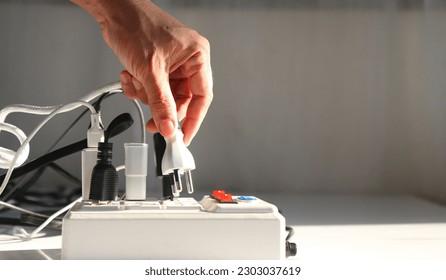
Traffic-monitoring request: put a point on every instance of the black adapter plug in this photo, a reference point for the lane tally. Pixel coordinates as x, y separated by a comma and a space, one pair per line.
104, 177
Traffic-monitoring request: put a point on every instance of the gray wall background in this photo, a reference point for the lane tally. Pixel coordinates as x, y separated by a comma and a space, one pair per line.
317, 96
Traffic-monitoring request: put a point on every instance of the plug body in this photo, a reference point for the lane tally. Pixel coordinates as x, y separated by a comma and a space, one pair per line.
177, 160
104, 177
95, 133
177, 156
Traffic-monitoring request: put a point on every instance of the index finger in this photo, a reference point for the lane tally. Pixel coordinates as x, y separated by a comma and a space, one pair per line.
160, 99
202, 94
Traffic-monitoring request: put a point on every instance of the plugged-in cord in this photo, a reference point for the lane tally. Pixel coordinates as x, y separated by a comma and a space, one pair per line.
138, 108
290, 231
51, 218
24, 235
102, 92
25, 144
24, 147
11, 206
21, 187
27, 181
34, 132
46, 159
7, 155
46, 110
120, 124
17, 189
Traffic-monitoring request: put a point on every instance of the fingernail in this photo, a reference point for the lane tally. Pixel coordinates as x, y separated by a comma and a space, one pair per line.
166, 128
187, 141
136, 84
187, 144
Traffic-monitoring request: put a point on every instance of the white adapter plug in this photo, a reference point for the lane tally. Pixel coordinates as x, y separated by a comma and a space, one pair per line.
177, 160
95, 135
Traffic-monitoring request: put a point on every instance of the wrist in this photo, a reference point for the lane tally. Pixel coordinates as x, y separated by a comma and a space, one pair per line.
94, 8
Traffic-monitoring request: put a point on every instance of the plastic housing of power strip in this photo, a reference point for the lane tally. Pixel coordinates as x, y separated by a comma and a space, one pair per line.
184, 228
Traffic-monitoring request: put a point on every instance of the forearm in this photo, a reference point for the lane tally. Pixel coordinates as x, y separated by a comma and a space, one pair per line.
126, 15
109, 10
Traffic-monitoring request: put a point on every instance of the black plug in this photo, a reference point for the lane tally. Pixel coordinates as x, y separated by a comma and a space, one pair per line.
159, 144
104, 177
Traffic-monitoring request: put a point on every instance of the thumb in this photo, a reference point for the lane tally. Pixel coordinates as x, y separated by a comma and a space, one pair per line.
161, 102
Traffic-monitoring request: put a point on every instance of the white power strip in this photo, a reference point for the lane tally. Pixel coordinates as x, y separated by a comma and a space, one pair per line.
183, 228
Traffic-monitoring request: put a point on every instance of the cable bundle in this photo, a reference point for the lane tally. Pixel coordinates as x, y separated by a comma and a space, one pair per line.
14, 161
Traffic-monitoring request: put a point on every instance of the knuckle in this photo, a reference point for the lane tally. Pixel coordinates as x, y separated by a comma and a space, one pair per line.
205, 43
198, 43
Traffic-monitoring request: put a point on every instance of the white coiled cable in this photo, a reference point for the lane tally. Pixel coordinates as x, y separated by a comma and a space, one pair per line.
11, 159
6, 155
25, 143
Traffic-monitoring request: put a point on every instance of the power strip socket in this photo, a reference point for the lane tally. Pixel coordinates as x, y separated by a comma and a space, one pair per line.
246, 228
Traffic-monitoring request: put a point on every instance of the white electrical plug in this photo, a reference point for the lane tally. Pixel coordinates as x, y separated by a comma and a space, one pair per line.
178, 160
95, 134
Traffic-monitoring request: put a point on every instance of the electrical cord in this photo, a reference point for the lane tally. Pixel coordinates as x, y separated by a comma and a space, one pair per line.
17, 191
8, 156
47, 159
50, 200
8, 175
28, 236
25, 147
20, 188
23, 186
45, 110
122, 128
32, 220
122, 123
11, 206
290, 231
34, 132
51, 218
138, 108
112, 89
290, 247
64, 173
24, 235
97, 105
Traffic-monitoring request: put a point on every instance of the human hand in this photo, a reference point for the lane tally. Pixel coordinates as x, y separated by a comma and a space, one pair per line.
167, 64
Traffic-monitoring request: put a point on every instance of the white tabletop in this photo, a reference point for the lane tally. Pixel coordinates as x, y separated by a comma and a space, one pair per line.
367, 227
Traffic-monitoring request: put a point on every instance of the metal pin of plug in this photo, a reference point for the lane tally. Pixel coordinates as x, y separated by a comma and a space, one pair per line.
189, 184
177, 180
175, 192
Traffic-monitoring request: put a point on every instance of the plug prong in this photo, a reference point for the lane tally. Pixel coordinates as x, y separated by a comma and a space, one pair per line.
173, 185
189, 185
177, 179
